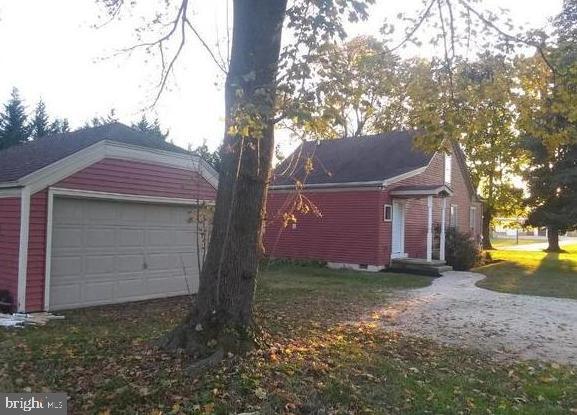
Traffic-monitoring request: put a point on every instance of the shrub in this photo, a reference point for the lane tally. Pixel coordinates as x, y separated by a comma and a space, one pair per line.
461, 251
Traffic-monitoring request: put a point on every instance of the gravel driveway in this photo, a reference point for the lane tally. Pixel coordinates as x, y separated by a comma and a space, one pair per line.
453, 310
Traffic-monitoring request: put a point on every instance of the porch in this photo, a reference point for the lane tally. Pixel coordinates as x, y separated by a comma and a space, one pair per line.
433, 262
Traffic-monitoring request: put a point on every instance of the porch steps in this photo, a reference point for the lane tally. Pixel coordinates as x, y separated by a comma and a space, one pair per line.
419, 266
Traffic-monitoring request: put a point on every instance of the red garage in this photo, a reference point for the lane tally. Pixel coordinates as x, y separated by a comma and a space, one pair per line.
99, 216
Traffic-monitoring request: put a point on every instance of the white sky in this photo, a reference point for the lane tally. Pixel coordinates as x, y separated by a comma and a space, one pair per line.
50, 50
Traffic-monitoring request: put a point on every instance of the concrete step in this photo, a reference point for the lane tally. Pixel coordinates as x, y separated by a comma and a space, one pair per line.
419, 266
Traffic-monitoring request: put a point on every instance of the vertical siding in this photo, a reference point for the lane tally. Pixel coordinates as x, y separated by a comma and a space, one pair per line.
347, 232
9, 244
36, 251
132, 177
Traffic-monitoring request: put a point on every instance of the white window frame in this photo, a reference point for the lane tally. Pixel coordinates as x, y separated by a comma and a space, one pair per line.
388, 208
473, 218
448, 168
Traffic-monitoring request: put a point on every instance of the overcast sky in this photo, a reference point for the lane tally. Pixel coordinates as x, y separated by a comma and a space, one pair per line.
51, 50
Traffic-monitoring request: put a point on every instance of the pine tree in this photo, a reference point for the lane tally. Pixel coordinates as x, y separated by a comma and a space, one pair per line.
59, 126
39, 126
153, 129
14, 127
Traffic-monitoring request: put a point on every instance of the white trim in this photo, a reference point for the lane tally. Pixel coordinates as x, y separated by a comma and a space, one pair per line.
390, 207
11, 192
23, 248
423, 192
407, 175
90, 194
443, 230
401, 208
429, 228
48, 251
59, 170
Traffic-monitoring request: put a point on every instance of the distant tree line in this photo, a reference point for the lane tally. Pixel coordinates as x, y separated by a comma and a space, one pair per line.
17, 126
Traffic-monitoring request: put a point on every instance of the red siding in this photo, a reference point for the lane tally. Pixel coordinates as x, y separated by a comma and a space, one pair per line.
36, 251
133, 177
9, 244
108, 175
352, 229
347, 232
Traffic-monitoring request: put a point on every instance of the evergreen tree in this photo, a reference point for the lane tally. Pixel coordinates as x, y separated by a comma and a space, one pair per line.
14, 128
211, 157
59, 126
39, 126
151, 128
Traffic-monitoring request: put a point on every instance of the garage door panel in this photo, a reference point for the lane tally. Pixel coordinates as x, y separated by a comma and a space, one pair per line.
160, 237
130, 237
99, 264
64, 237
66, 294
68, 214
98, 292
99, 237
67, 265
120, 251
130, 263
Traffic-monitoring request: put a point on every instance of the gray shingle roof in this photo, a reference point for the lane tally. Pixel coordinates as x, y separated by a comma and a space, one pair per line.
19, 161
351, 160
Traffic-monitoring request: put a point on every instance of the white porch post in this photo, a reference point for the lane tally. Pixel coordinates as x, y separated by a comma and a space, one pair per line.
442, 247
430, 229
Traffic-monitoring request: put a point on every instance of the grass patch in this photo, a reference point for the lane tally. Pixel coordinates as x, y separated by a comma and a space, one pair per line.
311, 359
533, 273
505, 243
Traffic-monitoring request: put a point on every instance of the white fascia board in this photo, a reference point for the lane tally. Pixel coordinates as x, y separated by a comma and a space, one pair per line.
10, 192
59, 170
378, 183
90, 194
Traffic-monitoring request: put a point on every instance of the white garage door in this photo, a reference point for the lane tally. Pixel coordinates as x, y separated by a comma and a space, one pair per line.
111, 252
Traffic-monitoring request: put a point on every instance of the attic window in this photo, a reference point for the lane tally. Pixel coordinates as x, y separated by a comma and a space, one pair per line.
388, 213
448, 168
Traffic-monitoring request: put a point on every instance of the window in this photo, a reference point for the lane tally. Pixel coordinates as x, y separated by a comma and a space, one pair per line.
453, 220
473, 218
388, 213
448, 168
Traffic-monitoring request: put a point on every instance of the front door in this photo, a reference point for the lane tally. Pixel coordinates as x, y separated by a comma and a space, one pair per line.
398, 238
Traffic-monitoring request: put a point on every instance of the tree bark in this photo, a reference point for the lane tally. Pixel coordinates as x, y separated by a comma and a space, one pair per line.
553, 239
487, 218
223, 307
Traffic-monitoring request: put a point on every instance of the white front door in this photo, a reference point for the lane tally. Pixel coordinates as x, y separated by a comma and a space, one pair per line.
398, 238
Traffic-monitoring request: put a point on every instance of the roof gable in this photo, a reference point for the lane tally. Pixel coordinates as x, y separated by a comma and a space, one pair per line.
353, 160
19, 161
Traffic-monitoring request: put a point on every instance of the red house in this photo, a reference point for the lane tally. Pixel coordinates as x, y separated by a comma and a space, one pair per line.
378, 199
99, 216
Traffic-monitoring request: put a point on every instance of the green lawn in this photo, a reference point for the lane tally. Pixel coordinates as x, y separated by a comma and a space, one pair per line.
309, 359
504, 243
534, 273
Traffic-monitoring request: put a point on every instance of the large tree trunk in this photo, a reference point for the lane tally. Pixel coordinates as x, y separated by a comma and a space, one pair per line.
487, 218
223, 309
553, 239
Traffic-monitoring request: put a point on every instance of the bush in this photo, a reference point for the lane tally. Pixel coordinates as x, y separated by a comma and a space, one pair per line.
461, 251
